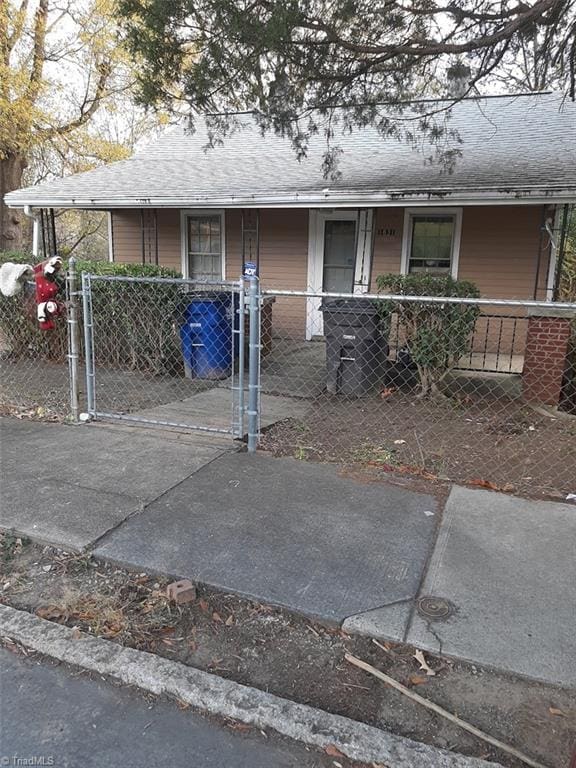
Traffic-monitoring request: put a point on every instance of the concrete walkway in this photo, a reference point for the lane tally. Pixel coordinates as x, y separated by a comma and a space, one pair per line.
213, 409
286, 532
68, 486
488, 579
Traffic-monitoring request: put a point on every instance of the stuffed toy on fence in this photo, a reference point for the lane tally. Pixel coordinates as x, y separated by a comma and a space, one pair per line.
48, 286
13, 278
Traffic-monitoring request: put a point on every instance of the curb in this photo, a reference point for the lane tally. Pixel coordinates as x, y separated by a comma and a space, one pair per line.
217, 696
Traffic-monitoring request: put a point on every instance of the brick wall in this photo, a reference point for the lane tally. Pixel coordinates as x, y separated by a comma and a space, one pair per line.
545, 358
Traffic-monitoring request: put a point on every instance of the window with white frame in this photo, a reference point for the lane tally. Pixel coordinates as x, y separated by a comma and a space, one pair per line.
431, 243
204, 240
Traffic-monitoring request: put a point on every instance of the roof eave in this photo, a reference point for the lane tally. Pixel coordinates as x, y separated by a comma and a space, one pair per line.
321, 198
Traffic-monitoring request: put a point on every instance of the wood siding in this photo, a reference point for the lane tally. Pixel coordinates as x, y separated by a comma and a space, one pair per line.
127, 237
498, 252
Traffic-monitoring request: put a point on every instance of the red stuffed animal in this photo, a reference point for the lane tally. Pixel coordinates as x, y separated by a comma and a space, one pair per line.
47, 288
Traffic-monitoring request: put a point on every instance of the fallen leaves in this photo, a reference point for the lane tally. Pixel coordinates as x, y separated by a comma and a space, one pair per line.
490, 486
417, 679
333, 751
481, 483
386, 646
555, 712
420, 658
52, 613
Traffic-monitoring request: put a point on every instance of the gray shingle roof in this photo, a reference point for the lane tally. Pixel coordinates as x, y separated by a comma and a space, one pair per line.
513, 147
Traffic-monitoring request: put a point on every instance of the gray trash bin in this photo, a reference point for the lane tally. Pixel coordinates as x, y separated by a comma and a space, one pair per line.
356, 350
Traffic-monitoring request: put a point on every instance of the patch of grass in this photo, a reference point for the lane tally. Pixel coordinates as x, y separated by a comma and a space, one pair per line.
133, 614
10, 546
375, 454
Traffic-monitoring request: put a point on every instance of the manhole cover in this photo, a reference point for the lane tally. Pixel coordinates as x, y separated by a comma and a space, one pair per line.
434, 608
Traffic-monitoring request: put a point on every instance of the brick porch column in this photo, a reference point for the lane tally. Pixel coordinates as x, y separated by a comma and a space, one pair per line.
547, 340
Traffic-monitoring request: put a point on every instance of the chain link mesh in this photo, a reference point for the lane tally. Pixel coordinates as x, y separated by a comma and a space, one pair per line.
165, 351
471, 392
475, 392
33, 363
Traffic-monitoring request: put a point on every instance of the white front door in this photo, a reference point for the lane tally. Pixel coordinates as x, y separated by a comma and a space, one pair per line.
339, 258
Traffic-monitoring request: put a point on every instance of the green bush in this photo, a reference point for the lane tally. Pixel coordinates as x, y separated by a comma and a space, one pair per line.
135, 324
437, 334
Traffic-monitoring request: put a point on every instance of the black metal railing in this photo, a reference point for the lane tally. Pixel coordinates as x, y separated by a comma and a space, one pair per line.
497, 344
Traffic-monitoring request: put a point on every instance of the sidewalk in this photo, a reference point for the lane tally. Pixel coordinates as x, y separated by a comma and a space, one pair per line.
301, 535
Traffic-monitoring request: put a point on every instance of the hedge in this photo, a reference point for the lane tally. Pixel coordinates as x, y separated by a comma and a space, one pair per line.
135, 324
437, 334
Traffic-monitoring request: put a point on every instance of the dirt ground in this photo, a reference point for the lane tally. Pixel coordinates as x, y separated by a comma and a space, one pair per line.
268, 648
482, 432
41, 387
498, 443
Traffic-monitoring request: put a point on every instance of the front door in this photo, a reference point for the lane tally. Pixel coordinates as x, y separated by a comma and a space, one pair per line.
338, 258
339, 255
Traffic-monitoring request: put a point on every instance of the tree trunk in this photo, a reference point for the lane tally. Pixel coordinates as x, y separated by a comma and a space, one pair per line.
12, 227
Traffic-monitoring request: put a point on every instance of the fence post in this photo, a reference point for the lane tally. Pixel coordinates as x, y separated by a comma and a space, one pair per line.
73, 338
241, 356
88, 346
253, 363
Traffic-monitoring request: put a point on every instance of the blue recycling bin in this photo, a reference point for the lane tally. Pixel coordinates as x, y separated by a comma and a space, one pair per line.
206, 337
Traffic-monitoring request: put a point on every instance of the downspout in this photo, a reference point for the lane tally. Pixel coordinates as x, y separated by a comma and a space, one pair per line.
43, 232
561, 250
28, 211
552, 226
110, 236
539, 256
142, 243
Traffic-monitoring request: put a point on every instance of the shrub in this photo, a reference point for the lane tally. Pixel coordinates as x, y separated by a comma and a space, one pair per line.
136, 321
437, 334
136, 325
568, 274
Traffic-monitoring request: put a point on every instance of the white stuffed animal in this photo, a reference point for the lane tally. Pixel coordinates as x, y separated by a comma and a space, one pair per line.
13, 277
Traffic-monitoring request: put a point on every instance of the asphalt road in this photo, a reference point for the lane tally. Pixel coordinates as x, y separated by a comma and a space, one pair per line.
52, 715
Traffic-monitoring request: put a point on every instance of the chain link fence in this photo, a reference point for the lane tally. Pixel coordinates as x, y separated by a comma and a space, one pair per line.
164, 351
469, 390
34, 378
460, 389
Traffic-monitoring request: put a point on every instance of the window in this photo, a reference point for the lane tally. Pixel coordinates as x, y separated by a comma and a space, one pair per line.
204, 246
431, 241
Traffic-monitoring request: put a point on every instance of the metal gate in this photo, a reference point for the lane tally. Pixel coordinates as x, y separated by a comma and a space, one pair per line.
166, 352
